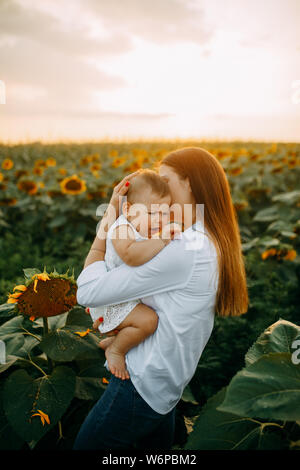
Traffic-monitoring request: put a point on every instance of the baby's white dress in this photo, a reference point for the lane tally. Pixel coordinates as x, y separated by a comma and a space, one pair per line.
113, 315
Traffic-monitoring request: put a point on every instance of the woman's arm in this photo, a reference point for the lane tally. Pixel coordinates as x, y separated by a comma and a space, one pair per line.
170, 269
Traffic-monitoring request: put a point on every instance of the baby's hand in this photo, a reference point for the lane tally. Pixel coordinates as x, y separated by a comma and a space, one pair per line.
171, 231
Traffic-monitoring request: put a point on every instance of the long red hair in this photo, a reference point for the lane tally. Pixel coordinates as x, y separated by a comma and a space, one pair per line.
210, 187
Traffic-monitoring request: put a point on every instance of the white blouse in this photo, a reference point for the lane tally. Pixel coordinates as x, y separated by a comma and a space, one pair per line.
180, 283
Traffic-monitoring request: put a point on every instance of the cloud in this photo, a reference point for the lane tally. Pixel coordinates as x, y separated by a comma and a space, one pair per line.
47, 29
36, 52
57, 55
159, 21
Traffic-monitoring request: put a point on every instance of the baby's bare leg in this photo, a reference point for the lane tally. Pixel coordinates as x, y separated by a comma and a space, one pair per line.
138, 325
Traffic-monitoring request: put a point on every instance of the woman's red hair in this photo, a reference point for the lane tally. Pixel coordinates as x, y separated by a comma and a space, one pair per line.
210, 187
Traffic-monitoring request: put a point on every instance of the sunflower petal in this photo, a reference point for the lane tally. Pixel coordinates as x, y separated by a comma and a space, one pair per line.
20, 287
43, 417
15, 295
82, 333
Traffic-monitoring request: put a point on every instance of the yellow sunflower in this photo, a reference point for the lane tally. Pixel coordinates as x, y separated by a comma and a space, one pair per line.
236, 171
96, 167
113, 153
20, 173
278, 169
38, 170
7, 164
51, 161
72, 185
271, 252
290, 255
9, 201
118, 162
45, 295
41, 163
292, 163
29, 187
239, 206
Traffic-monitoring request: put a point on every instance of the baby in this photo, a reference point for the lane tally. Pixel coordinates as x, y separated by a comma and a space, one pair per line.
141, 232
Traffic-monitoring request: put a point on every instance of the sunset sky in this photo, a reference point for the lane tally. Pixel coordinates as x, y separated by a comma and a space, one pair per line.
124, 69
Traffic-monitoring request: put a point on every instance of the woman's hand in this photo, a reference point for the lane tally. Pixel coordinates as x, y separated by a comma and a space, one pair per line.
98, 322
169, 232
120, 190
113, 210
98, 248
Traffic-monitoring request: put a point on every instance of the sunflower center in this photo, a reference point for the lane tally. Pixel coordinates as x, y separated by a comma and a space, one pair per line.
73, 185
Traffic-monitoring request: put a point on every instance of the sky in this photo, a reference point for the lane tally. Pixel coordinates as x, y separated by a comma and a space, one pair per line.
77, 70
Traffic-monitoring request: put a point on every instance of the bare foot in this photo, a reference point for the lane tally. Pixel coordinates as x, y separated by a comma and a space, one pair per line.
116, 362
104, 343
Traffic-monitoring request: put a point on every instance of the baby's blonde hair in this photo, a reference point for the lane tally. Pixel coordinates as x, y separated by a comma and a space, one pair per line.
150, 178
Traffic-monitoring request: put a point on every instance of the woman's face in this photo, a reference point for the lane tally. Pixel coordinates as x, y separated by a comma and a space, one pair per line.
183, 201
181, 192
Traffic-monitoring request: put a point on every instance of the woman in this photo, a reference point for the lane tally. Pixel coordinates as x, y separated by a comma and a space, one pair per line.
184, 286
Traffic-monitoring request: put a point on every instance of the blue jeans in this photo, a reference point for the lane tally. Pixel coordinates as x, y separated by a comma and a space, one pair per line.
121, 419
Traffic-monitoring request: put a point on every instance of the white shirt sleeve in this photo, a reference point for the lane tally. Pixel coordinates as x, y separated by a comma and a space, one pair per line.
170, 269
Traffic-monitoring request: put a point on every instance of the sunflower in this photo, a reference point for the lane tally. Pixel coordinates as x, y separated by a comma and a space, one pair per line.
84, 161
133, 167
29, 187
239, 206
20, 173
96, 167
278, 169
292, 163
7, 164
271, 252
51, 161
258, 192
254, 157
96, 195
38, 170
118, 162
1, 177
45, 295
9, 201
40, 163
113, 153
236, 171
72, 185
288, 255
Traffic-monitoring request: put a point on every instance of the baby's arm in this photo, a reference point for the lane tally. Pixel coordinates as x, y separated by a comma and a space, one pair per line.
132, 252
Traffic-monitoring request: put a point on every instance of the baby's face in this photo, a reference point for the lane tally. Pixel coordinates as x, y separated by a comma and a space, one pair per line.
151, 215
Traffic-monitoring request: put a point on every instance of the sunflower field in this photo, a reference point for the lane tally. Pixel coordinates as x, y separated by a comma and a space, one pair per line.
245, 393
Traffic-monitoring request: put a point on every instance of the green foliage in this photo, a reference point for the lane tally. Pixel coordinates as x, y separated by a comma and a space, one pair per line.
260, 408
56, 230
23, 395
52, 370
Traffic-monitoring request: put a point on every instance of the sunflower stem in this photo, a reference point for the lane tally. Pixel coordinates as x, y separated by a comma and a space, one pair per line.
35, 365
60, 431
46, 331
